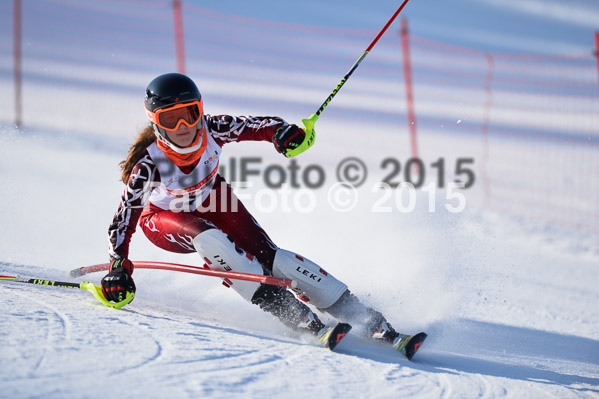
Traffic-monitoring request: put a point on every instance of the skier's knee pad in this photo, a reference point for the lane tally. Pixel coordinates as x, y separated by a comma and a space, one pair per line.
221, 253
321, 288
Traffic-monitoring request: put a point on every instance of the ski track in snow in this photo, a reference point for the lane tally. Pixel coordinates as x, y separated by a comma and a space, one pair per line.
61, 343
185, 355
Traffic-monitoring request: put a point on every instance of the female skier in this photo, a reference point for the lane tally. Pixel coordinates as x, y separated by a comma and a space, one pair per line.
183, 205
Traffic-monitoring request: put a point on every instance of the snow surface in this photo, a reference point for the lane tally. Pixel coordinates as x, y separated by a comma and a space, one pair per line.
511, 305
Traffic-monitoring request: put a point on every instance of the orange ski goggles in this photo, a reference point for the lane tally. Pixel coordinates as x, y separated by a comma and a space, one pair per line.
171, 118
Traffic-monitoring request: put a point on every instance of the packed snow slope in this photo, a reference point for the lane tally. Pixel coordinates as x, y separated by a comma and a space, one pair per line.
511, 305
511, 310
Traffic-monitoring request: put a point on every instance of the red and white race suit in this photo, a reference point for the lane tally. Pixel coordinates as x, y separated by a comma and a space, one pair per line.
173, 205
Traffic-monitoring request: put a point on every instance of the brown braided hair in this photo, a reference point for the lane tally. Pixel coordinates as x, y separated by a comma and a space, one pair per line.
143, 140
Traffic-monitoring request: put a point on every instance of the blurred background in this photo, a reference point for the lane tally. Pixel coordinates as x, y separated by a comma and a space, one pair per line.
510, 86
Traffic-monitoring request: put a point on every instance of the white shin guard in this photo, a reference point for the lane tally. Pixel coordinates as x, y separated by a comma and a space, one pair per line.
321, 288
222, 254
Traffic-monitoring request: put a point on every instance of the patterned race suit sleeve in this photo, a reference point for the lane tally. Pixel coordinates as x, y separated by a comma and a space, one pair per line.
133, 200
226, 129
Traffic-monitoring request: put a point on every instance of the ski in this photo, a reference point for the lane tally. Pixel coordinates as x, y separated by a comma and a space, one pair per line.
330, 336
408, 345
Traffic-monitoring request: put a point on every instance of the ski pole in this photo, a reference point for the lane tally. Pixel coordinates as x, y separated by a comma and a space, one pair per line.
85, 286
283, 282
309, 122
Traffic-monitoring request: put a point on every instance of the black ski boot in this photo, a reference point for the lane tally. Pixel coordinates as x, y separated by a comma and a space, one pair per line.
349, 308
281, 303
297, 316
385, 332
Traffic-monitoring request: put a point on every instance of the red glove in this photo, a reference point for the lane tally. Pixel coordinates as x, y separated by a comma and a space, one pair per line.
118, 282
288, 138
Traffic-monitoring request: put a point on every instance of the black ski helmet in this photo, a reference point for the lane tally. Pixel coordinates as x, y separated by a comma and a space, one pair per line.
170, 89
167, 90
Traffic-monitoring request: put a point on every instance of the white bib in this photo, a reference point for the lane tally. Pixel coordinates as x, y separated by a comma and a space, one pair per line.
182, 192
